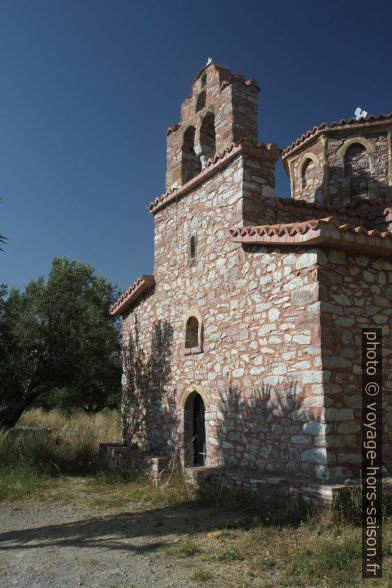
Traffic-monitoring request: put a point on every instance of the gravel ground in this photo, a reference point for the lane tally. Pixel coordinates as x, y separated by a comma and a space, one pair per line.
63, 544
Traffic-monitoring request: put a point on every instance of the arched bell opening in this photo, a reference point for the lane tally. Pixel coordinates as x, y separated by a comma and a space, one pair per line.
207, 137
191, 165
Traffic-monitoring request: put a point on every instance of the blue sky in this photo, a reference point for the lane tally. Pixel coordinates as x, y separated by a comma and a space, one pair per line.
89, 87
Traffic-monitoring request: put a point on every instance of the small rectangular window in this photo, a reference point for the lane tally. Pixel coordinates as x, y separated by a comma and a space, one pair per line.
192, 247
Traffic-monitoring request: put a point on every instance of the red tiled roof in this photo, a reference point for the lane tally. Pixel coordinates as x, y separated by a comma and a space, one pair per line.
328, 232
213, 165
351, 123
134, 292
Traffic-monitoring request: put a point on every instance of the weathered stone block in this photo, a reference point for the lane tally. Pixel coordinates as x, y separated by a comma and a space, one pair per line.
339, 414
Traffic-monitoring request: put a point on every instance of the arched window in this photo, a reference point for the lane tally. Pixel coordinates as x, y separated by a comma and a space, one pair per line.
204, 80
309, 173
191, 165
201, 101
356, 167
192, 333
207, 135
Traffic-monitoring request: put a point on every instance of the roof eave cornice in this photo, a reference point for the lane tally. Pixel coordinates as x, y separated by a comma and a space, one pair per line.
218, 162
345, 125
134, 292
345, 238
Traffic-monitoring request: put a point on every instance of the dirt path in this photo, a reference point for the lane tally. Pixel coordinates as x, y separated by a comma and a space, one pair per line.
65, 544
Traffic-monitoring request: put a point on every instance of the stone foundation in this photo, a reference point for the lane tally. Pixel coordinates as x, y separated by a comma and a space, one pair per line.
124, 457
259, 484
270, 487
133, 459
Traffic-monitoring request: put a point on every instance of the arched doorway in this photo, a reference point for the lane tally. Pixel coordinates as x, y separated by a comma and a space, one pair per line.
195, 431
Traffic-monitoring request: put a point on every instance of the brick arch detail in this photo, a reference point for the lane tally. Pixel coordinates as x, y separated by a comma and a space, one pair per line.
191, 390
369, 146
193, 312
305, 158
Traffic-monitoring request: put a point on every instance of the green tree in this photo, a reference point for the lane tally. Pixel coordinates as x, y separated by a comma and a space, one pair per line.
24, 358
3, 239
59, 336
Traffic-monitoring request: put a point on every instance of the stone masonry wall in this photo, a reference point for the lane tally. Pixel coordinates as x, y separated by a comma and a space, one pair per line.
311, 190
234, 105
260, 369
373, 165
355, 292
336, 179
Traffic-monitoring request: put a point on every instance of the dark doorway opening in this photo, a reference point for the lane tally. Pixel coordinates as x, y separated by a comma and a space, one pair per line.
195, 431
199, 432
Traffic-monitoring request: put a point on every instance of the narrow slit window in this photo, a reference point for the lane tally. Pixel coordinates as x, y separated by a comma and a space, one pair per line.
192, 247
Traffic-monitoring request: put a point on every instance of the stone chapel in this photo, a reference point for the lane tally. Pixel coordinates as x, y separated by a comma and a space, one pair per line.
242, 352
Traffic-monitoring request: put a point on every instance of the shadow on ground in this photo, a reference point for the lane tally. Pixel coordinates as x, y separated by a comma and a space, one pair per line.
116, 531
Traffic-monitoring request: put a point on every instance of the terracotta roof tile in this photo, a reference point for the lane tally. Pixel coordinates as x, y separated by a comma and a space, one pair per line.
304, 227
134, 292
338, 125
327, 231
244, 146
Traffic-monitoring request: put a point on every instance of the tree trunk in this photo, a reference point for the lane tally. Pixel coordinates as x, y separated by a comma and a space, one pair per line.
12, 410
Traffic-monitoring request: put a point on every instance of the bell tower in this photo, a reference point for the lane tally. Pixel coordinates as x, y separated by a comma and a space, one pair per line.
220, 110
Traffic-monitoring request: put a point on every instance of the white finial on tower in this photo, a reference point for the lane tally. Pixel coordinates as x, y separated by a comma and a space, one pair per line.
209, 60
359, 113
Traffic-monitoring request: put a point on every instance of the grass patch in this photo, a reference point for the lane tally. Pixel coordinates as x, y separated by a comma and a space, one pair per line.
186, 548
202, 576
275, 543
140, 490
20, 481
318, 552
229, 555
47, 445
326, 558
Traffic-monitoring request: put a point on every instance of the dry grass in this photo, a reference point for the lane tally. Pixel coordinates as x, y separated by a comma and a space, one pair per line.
267, 545
80, 428
317, 552
46, 445
39, 455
